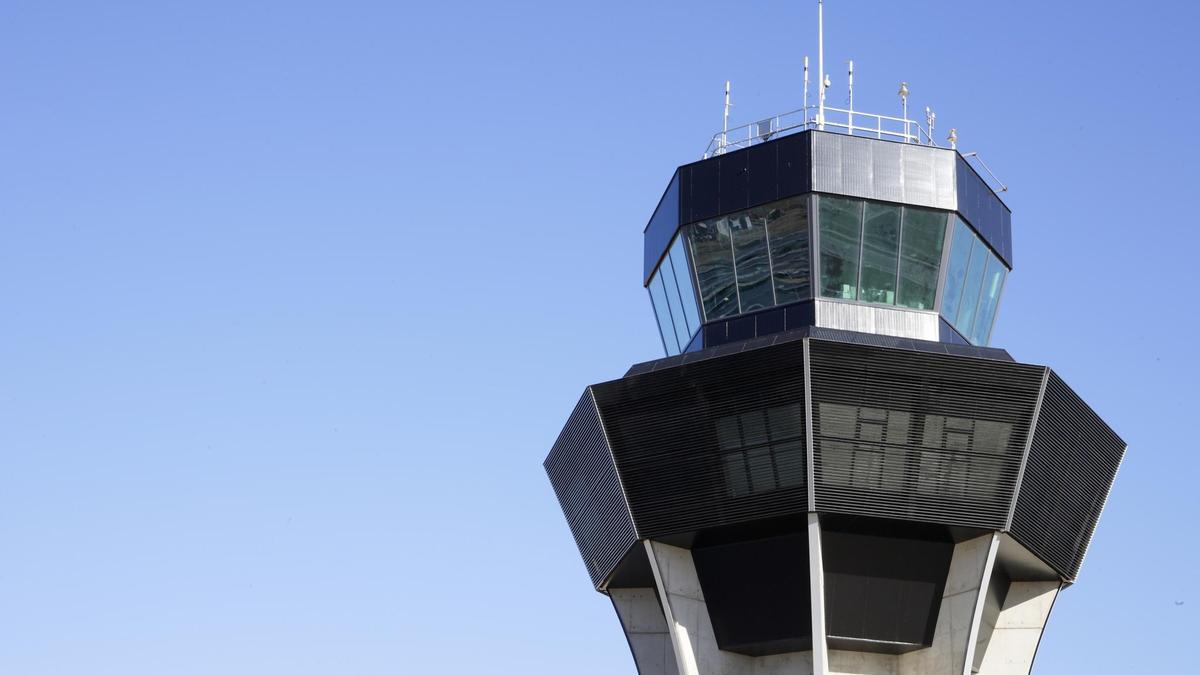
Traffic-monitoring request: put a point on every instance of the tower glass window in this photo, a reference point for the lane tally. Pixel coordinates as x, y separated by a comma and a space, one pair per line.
674, 299
989, 299
974, 282
658, 300
683, 281
787, 237
880, 253
956, 269
920, 256
674, 302
750, 260
712, 252
840, 225
881, 241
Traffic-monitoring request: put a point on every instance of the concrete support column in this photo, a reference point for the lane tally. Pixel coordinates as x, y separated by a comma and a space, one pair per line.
686, 617
960, 614
816, 575
686, 614
1019, 628
645, 629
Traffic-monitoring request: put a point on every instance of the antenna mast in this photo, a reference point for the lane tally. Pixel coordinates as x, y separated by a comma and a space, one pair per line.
805, 92
850, 79
725, 124
821, 64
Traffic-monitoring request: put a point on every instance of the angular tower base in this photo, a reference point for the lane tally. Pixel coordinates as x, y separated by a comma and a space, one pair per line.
987, 620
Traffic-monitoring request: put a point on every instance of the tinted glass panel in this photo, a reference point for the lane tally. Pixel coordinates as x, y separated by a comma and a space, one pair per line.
974, 282
674, 302
787, 232
881, 241
658, 299
713, 257
840, 221
989, 298
920, 256
750, 259
683, 280
956, 269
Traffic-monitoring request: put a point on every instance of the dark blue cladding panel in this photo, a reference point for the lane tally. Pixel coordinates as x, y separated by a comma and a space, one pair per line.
764, 173
727, 183
734, 169
700, 190
794, 164
661, 228
984, 210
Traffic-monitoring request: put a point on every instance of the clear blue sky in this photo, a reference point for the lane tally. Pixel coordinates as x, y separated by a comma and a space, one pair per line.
295, 296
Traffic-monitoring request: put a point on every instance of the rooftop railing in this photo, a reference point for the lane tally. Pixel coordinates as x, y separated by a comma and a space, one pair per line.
852, 122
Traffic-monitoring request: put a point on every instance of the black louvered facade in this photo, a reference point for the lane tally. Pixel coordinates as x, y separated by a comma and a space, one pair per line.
919, 437
1072, 462
585, 481
711, 443
901, 429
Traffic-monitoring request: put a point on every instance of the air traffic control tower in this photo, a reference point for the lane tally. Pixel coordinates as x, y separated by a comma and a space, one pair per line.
832, 470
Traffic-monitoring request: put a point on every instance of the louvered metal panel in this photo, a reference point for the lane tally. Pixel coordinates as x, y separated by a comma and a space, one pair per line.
710, 443
895, 172
1072, 462
585, 481
902, 429
917, 436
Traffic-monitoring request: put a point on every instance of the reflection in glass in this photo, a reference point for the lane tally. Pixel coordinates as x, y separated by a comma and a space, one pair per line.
762, 450
840, 222
787, 232
989, 298
956, 269
920, 256
861, 446
750, 260
881, 241
658, 299
713, 256
683, 281
971, 287
674, 302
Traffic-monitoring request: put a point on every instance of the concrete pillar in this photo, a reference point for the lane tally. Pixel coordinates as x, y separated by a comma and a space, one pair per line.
686, 617
862, 663
1019, 628
686, 614
816, 575
960, 614
645, 629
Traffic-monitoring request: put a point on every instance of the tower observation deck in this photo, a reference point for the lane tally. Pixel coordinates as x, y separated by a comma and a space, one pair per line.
832, 470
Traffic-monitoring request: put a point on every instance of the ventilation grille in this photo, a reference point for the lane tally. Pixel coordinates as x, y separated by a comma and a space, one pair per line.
714, 442
1072, 463
581, 471
918, 436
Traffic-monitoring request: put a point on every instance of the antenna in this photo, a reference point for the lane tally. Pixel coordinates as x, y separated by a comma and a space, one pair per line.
850, 79
903, 93
805, 92
823, 81
725, 124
